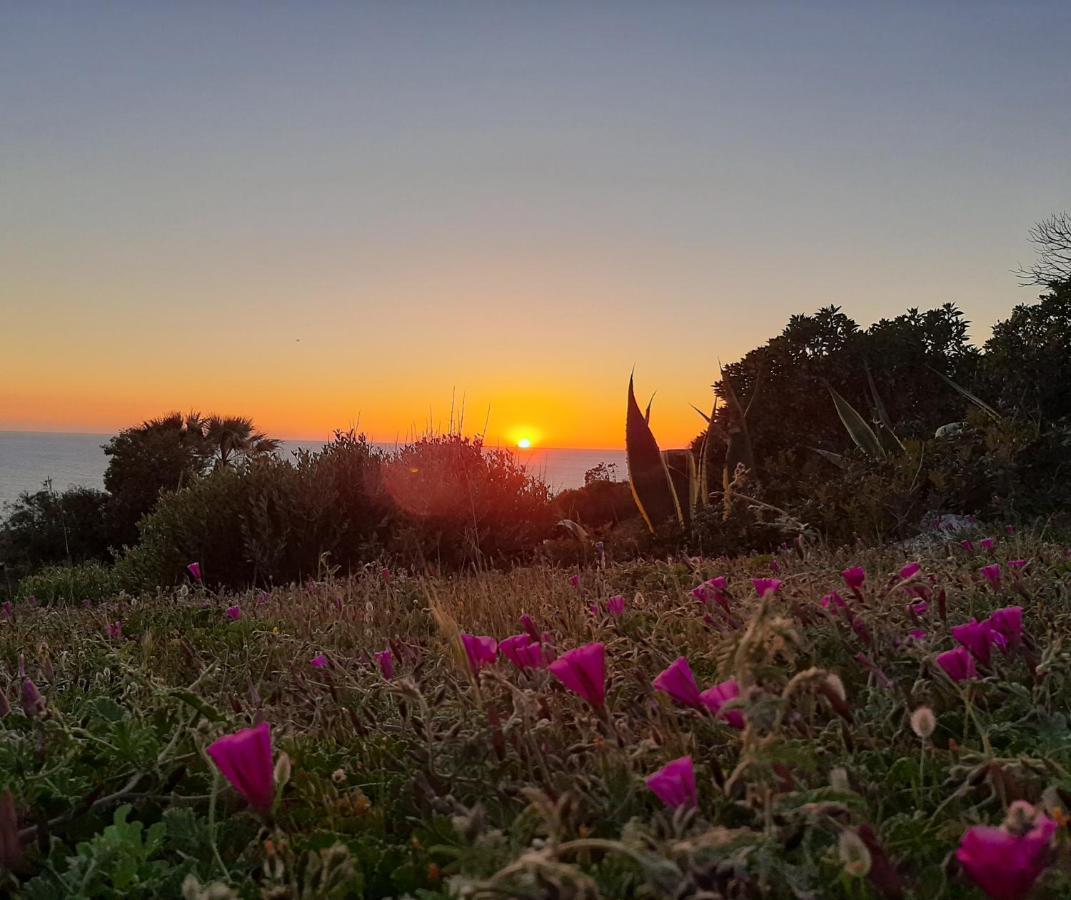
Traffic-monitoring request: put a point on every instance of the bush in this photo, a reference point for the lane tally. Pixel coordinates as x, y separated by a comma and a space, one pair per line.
46, 528
457, 502
59, 585
267, 520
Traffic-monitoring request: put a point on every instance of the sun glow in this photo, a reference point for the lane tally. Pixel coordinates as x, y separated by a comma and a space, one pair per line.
524, 443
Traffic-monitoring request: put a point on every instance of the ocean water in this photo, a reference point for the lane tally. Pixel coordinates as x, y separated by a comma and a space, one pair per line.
28, 459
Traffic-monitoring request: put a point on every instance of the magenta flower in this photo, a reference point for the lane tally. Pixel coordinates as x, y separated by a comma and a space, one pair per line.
615, 606
529, 625
958, 664
245, 759
480, 650
833, 600
33, 703
1002, 864
522, 651
910, 571
1008, 623
574, 580
977, 637
987, 543
194, 569
114, 630
233, 612
716, 697
854, 577
992, 575
674, 783
678, 681
385, 660
967, 545
765, 586
1017, 563
318, 662
919, 608
917, 635
583, 671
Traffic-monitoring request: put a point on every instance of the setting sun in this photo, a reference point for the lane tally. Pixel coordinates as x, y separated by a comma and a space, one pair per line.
524, 443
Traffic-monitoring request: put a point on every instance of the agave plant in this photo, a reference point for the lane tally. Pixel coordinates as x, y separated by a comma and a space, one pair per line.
672, 485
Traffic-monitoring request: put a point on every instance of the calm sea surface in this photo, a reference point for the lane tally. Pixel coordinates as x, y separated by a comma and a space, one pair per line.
28, 458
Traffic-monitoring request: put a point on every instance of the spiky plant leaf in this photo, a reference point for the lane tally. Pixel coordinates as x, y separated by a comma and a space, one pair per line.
834, 458
647, 474
685, 480
974, 398
879, 406
862, 435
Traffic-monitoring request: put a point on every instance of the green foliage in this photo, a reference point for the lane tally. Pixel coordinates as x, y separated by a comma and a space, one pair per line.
72, 584
432, 785
46, 528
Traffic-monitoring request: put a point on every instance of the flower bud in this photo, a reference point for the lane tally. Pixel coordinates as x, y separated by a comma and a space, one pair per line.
923, 722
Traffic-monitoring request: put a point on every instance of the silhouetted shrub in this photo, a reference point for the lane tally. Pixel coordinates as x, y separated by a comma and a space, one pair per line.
45, 527
457, 502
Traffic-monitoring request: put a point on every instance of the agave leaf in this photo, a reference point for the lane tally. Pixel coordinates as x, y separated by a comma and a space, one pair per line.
879, 405
738, 451
706, 418
576, 530
974, 398
647, 412
836, 458
705, 447
648, 476
682, 473
861, 434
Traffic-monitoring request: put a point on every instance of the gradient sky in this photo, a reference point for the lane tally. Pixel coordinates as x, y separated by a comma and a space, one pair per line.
321, 214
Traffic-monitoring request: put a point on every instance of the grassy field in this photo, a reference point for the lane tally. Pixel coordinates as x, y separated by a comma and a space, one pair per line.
860, 767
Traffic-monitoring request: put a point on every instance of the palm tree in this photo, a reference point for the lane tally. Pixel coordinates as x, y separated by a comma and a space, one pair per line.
234, 436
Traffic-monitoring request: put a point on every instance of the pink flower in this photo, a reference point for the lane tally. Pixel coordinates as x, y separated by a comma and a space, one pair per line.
194, 569
583, 671
480, 650
233, 612
765, 586
615, 606
854, 577
910, 571
114, 630
245, 759
917, 635
987, 543
385, 660
1008, 622
263, 597
674, 783
716, 697
977, 637
1002, 864
522, 651
833, 600
318, 662
678, 681
958, 664
919, 608
992, 575
967, 545
33, 703
574, 580
1017, 563
529, 625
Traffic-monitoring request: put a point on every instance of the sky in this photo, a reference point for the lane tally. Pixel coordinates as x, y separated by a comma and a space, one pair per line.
330, 215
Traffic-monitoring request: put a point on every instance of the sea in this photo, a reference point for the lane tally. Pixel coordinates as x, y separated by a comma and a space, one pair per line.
30, 459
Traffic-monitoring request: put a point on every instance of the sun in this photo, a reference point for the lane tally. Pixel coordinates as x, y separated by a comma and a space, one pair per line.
525, 443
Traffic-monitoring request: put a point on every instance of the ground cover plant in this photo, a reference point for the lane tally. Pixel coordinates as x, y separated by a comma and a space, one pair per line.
884, 722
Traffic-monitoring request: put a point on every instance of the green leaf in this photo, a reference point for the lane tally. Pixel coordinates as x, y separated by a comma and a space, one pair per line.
861, 434
974, 398
647, 472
